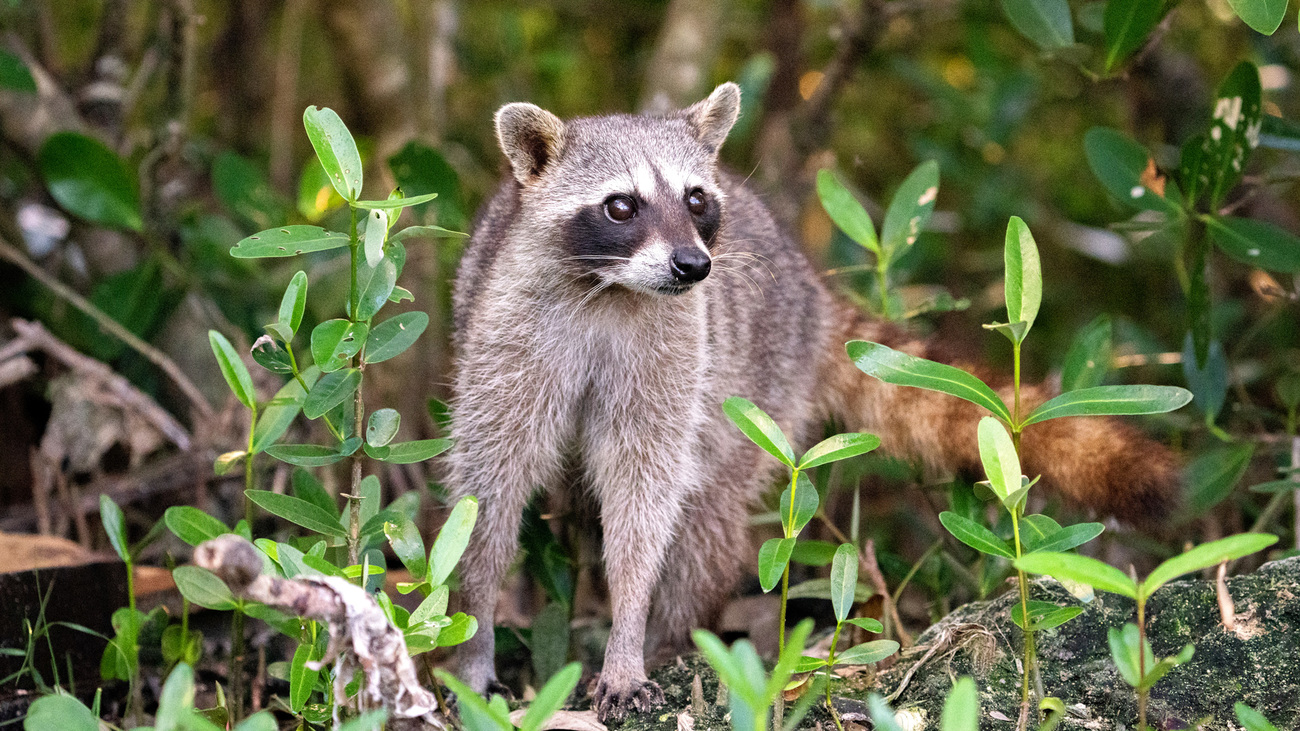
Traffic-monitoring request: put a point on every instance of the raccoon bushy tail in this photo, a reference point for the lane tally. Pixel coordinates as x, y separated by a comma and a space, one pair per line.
1100, 463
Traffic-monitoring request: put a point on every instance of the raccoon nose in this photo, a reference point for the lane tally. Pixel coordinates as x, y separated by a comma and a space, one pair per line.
689, 264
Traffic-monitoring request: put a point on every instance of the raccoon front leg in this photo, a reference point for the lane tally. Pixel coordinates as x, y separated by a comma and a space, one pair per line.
642, 491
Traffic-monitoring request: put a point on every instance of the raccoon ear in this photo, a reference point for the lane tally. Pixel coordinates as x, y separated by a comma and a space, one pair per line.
713, 117
531, 137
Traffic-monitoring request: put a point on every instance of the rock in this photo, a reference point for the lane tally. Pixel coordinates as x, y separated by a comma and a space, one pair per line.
1258, 663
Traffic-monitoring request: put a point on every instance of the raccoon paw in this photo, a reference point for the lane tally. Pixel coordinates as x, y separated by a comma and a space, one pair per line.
615, 703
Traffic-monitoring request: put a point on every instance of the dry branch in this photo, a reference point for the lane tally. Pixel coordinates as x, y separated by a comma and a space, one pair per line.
361, 638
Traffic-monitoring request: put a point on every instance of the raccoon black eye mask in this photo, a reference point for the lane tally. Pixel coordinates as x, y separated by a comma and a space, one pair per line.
573, 362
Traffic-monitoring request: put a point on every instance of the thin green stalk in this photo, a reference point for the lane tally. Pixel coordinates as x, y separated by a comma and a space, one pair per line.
882, 277
1023, 582
297, 376
137, 692
1142, 663
898, 593
354, 296
235, 705
1015, 415
788, 530
248, 467
830, 663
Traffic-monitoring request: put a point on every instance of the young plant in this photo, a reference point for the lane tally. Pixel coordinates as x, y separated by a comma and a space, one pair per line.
1129, 646
1000, 453
799, 501
907, 215
477, 714
176, 711
844, 583
961, 709
751, 690
1251, 719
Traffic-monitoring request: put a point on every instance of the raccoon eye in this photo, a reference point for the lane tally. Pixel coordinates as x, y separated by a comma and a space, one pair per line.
696, 202
620, 208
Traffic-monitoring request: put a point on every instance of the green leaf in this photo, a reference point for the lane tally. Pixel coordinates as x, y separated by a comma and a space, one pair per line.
975, 535
90, 181
867, 653
838, 447
1257, 243
307, 487
260, 721
821, 589
305, 455
1125, 646
392, 203
1275, 486
1079, 569
268, 353
804, 508
376, 233
336, 150
1249, 718
202, 587
279, 412
1024, 275
1112, 401
176, 702
1045, 22
368, 721
452, 539
226, 461
882, 717
773, 557
115, 526
297, 511
233, 369
462, 628
408, 546
58, 711
1165, 665
333, 342
394, 335
433, 606
551, 697
1056, 618
409, 452
1263, 15
302, 679
1127, 23
1288, 390
866, 623
961, 710
1212, 476
1208, 382
288, 241
293, 303
375, 284
759, 427
1001, 464
1205, 556
1233, 135
14, 74
846, 212
1119, 162
475, 713
426, 232
909, 210
1040, 610
844, 580
1067, 538
1088, 360
193, 525
330, 391
901, 369
821, 553
382, 427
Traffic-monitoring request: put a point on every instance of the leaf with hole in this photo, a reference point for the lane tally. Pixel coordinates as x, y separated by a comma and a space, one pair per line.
909, 210
393, 336
335, 149
382, 427
1233, 134
1119, 162
409, 452
288, 241
334, 342
901, 369
759, 427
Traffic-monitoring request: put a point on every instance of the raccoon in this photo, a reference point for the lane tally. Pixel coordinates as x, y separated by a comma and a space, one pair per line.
617, 289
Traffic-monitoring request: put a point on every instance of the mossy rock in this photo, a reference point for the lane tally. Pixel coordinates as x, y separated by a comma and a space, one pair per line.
1258, 663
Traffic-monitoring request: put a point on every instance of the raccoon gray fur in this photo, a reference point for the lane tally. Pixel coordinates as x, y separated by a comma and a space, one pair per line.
618, 287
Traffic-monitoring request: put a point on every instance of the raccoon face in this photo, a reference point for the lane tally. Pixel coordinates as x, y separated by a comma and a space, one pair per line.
634, 201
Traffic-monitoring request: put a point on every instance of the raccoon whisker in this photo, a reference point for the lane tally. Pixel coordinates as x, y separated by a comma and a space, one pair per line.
595, 290
597, 256
740, 271
750, 260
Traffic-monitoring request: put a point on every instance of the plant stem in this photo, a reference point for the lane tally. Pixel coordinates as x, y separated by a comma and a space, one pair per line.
297, 376
1142, 662
780, 627
354, 525
235, 705
1015, 414
137, 693
830, 663
248, 468
882, 277
1024, 617
788, 528
353, 243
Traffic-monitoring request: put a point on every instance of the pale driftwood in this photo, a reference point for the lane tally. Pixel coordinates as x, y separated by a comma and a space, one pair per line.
361, 637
